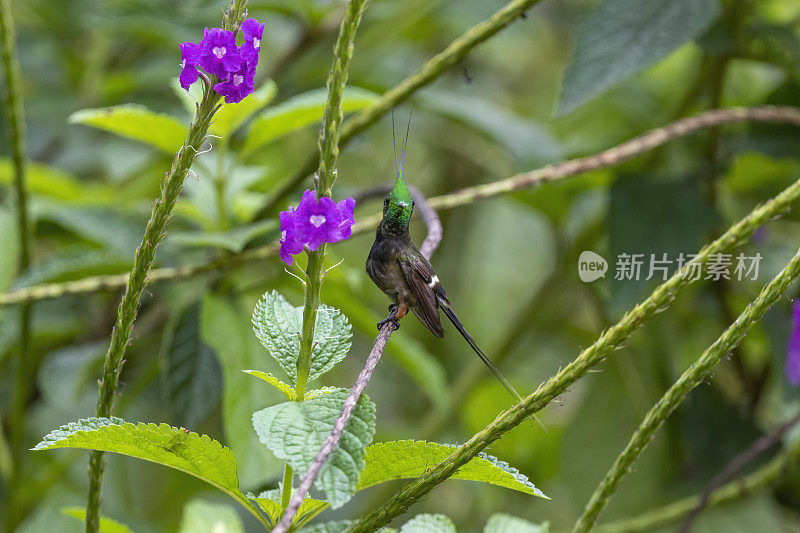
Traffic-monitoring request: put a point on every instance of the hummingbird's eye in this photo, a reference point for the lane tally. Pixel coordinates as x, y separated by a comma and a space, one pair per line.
386, 202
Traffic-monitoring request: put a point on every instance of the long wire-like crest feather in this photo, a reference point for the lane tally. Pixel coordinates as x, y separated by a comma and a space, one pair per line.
405, 144
394, 143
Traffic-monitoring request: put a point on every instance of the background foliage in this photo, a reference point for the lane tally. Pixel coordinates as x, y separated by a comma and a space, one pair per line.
557, 84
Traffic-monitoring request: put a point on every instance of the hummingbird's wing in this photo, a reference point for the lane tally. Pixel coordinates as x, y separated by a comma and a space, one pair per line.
421, 280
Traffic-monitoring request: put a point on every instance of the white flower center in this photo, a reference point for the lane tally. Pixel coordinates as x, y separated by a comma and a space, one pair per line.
237, 79
316, 220
183, 64
283, 235
256, 43
218, 51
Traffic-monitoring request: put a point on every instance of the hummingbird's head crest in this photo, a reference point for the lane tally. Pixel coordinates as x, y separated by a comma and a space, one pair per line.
399, 203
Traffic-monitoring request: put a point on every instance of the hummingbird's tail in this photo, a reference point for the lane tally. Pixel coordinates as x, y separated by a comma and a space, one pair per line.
445, 306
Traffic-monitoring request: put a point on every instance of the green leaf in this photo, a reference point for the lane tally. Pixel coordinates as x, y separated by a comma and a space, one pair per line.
136, 122
269, 501
106, 524
51, 182
233, 240
204, 517
284, 388
277, 325
197, 455
407, 459
192, 378
505, 523
231, 116
224, 327
620, 37
295, 431
429, 523
298, 112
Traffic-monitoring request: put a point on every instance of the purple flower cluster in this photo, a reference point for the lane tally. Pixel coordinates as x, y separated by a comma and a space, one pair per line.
313, 222
218, 54
793, 347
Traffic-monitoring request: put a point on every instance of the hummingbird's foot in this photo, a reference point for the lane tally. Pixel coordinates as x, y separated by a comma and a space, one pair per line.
391, 318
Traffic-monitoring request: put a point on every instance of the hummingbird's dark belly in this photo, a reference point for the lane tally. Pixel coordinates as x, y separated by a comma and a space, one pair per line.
384, 270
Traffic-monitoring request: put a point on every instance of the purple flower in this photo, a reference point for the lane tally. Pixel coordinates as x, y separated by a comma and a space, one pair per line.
190, 57
290, 245
793, 347
220, 55
314, 222
252, 31
239, 84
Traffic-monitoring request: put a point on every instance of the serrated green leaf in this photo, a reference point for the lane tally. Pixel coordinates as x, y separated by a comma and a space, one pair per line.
295, 431
298, 112
136, 122
429, 523
505, 523
277, 325
204, 517
197, 455
228, 119
269, 501
107, 525
192, 378
620, 37
284, 388
407, 459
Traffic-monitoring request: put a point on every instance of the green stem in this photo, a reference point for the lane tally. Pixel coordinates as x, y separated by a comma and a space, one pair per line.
326, 176
432, 69
142, 262
286, 492
612, 339
691, 378
13, 109
154, 234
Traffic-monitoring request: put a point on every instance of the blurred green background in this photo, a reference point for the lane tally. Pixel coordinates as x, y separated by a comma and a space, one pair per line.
509, 263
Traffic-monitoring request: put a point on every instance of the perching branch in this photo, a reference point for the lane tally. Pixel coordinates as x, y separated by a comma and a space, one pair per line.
607, 158
612, 339
432, 69
429, 245
154, 233
675, 395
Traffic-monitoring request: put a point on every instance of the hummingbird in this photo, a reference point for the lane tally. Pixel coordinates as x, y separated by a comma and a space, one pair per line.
398, 268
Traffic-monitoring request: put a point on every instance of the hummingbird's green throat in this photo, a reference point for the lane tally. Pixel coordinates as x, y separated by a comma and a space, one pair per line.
397, 208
